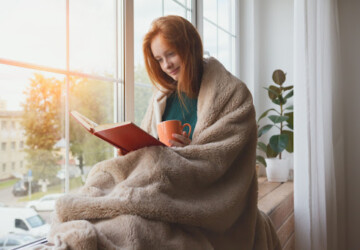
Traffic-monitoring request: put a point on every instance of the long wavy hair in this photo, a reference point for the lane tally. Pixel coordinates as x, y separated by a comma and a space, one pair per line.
181, 36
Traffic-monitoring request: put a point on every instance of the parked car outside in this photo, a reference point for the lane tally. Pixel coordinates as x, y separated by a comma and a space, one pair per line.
22, 220
45, 203
9, 241
21, 187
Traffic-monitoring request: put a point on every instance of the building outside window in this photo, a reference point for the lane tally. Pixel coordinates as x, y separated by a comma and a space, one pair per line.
3, 124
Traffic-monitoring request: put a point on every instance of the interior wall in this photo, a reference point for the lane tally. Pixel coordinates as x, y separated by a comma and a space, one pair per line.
266, 29
274, 44
267, 44
349, 17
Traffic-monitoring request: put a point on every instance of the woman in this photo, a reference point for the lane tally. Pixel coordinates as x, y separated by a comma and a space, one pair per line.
200, 194
173, 54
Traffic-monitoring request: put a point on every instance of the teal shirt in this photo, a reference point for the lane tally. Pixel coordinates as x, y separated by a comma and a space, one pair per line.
175, 110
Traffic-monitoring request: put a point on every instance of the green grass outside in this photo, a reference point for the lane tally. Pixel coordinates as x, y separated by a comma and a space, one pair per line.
8, 183
74, 184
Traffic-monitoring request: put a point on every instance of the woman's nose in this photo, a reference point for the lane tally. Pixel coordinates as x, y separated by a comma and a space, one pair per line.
168, 63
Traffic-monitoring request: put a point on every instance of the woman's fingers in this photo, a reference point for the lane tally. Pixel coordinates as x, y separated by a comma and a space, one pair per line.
120, 152
181, 140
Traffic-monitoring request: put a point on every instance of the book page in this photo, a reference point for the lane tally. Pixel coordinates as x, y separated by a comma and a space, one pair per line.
86, 122
110, 125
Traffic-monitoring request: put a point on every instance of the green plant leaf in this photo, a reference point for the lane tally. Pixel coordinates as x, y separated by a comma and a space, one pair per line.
279, 142
291, 107
290, 121
264, 129
278, 118
279, 77
261, 146
279, 100
265, 114
260, 159
290, 94
290, 145
273, 92
270, 153
288, 88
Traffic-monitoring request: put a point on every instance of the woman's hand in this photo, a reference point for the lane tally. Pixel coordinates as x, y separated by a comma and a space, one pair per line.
183, 140
121, 152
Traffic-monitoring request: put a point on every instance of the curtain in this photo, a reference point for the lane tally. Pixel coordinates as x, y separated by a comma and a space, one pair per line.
319, 136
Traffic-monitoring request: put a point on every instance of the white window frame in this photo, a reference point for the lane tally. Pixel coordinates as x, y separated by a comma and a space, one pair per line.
126, 112
198, 17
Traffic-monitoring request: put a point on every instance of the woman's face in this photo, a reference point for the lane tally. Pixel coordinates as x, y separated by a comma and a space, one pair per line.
169, 59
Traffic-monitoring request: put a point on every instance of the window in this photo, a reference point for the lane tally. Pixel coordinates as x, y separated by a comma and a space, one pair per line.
21, 224
12, 242
80, 67
35, 221
219, 31
3, 124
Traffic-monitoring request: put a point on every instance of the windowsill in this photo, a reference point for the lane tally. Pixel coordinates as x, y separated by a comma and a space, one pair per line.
277, 201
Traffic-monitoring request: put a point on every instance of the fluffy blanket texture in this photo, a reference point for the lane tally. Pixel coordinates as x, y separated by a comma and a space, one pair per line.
202, 196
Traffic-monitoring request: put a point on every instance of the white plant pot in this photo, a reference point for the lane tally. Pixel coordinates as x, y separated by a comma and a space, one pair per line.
277, 170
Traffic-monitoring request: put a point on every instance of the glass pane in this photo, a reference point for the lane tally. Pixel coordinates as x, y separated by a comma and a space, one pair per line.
233, 18
92, 36
142, 22
224, 49
34, 31
224, 14
210, 39
210, 7
219, 32
173, 8
233, 62
32, 123
95, 100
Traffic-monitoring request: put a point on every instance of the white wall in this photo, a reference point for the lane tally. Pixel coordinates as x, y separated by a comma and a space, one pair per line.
274, 45
349, 15
266, 44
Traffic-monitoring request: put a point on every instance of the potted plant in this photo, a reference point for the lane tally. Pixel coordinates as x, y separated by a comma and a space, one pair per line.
281, 118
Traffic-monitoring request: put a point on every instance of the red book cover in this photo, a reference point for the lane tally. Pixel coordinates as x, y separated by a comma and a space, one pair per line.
126, 135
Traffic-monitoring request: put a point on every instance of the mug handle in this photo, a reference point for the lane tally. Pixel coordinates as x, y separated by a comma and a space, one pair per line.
187, 124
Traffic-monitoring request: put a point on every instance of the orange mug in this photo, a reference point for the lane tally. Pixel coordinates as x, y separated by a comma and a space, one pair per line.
165, 130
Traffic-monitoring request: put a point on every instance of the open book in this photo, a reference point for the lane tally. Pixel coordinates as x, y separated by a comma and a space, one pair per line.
125, 135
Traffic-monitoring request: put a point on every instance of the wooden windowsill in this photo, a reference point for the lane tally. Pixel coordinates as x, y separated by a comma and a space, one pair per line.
277, 201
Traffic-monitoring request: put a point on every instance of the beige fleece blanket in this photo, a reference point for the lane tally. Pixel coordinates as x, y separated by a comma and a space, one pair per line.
202, 196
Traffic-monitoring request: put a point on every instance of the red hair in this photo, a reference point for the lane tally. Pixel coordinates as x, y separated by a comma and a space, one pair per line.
181, 36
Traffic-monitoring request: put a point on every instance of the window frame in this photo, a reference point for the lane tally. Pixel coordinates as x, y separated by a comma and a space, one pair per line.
124, 105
